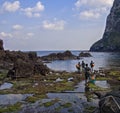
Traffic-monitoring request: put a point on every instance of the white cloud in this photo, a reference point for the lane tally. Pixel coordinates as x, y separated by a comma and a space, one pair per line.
34, 11
93, 8
89, 14
30, 34
37, 15
17, 27
5, 35
80, 3
105, 2
11, 7
38, 7
94, 3
56, 25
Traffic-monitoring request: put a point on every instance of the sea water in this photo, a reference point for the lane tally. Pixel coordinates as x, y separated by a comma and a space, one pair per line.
101, 60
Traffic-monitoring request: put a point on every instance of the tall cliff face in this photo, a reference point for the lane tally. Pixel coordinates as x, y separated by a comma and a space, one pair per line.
111, 36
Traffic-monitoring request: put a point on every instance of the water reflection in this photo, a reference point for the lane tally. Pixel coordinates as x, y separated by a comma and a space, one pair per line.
7, 99
80, 94
6, 86
81, 87
88, 96
102, 84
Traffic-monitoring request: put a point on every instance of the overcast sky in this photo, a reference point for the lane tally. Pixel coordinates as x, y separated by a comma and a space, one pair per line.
52, 24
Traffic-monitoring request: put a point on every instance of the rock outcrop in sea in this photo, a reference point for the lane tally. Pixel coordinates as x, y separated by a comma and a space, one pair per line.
85, 54
67, 55
111, 36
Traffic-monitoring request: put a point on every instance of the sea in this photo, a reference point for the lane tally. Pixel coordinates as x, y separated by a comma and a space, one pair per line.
102, 60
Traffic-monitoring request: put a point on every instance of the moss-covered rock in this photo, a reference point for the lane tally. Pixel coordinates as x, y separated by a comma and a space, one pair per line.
11, 108
33, 99
50, 103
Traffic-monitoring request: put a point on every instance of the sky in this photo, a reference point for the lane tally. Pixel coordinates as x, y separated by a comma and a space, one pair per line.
32, 25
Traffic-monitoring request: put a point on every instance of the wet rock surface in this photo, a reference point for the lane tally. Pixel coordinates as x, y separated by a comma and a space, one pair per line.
75, 101
11, 99
58, 106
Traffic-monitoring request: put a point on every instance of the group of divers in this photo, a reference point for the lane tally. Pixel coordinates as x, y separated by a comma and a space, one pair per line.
88, 71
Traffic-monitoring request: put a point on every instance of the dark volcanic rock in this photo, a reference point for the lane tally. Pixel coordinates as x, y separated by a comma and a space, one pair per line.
85, 54
110, 103
12, 56
39, 68
22, 68
1, 45
111, 36
22, 64
32, 55
59, 56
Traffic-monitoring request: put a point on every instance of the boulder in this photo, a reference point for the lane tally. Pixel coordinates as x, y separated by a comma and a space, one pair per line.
40, 68
21, 69
110, 102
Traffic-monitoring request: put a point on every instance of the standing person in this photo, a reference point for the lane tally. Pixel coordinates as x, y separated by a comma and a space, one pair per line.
92, 65
78, 67
87, 73
83, 65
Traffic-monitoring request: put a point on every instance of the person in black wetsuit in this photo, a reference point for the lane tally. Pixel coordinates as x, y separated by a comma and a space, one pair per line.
87, 73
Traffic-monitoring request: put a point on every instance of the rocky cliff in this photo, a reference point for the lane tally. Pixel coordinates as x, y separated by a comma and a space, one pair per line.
111, 36
1, 45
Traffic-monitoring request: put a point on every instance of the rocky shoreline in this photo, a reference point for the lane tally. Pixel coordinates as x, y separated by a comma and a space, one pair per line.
25, 64
55, 82
28, 75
